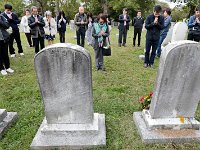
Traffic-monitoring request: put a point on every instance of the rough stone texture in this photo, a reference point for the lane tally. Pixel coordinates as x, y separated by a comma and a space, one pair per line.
3, 114
168, 38
164, 136
142, 57
7, 121
180, 32
177, 91
170, 123
65, 77
64, 137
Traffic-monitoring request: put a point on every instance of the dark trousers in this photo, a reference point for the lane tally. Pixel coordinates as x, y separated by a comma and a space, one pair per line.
81, 37
15, 35
137, 31
193, 37
122, 34
149, 58
39, 43
29, 39
99, 57
62, 37
4, 58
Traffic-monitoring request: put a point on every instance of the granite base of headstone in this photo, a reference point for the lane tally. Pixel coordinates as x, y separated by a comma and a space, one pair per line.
64, 73
171, 117
6, 120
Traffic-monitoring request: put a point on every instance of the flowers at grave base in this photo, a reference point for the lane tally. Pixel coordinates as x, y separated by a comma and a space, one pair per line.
145, 101
182, 119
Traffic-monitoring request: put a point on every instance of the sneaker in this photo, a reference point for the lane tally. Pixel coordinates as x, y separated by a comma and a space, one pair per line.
145, 65
9, 70
152, 66
3, 72
12, 55
21, 54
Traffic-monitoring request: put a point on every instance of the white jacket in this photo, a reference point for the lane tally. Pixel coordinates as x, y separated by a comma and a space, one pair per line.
24, 24
50, 28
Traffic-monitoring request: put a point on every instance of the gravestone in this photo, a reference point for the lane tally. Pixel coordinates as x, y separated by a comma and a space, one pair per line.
6, 120
176, 97
180, 32
72, 25
64, 74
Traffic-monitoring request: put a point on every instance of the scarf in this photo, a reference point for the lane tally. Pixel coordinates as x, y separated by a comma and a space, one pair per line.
98, 28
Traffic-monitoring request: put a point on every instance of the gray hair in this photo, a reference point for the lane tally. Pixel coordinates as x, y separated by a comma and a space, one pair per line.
48, 13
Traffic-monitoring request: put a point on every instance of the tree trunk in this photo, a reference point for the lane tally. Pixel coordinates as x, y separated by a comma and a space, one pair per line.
104, 4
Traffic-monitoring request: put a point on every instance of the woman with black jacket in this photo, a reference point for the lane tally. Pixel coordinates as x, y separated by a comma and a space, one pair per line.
61, 26
4, 38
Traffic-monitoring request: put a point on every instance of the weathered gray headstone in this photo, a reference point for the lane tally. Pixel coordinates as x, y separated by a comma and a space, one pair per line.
64, 74
176, 97
6, 120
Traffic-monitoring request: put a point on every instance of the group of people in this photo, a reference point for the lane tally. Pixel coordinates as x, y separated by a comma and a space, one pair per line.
96, 30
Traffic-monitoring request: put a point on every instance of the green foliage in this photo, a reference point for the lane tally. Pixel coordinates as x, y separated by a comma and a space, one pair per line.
178, 14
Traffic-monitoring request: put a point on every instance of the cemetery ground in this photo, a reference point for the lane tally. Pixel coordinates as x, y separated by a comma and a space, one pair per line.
116, 93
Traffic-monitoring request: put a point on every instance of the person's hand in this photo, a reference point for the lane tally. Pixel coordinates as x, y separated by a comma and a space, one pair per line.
197, 20
10, 17
36, 20
156, 20
82, 22
102, 32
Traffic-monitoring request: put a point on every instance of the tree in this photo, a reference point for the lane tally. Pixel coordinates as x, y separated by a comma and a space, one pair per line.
192, 5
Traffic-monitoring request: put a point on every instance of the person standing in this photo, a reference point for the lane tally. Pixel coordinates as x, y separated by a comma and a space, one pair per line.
100, 33
163, 33
50, 28
154, 24
13, 21
81, 23
36, 23
25, 27
124, 21
138, 22
4, 38
90, 29
194, 26
61, 26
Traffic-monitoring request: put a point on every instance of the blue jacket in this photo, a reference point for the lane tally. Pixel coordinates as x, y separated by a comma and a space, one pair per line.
13, 22
167, 25
194, 24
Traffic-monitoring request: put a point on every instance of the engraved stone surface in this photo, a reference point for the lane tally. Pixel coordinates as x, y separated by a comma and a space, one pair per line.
175, 99
64, 74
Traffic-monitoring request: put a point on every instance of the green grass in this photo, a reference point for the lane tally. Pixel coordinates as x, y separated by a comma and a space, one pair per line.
116, 93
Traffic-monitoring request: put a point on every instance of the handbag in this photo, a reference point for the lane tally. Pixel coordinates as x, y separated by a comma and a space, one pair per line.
107, 48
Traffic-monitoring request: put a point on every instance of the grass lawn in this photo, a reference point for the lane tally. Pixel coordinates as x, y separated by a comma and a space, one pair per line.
116, 93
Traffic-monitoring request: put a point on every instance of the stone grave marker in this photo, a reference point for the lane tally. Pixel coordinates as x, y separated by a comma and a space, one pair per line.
6, 120
176, 97
64, 74
180, 32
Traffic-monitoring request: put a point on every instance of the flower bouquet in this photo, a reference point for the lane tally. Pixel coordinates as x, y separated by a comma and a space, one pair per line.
145, 101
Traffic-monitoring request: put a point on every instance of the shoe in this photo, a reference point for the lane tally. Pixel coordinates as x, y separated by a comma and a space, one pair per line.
145, 65
21, 54
12, 55
119, 45
152, 66
124, 45
9, 70
3, 72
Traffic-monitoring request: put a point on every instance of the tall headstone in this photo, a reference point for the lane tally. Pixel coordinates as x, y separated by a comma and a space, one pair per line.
180, 32
176, 97
6, 120
64, 74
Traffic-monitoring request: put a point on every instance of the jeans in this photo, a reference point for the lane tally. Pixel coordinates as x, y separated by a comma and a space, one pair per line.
159, 50
149, 58
81, 36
